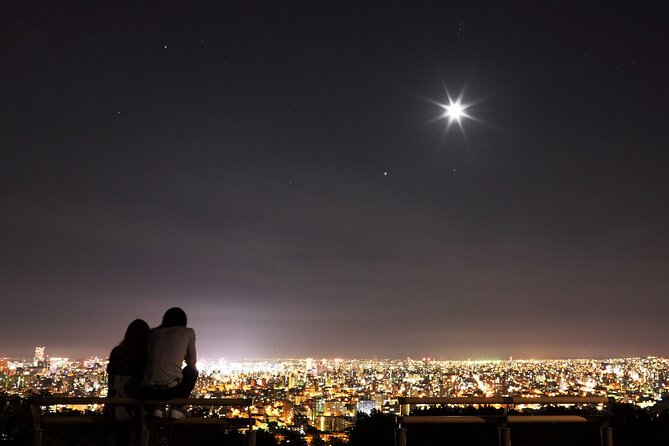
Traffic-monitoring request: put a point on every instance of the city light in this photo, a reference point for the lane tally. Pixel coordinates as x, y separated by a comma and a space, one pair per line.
328, 393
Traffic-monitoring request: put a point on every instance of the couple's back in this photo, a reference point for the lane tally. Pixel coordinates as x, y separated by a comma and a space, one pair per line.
168, 347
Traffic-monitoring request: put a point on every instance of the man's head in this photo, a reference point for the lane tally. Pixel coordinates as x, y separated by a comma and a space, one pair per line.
174, 317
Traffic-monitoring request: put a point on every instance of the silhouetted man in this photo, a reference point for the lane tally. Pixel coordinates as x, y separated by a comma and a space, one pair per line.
169, 346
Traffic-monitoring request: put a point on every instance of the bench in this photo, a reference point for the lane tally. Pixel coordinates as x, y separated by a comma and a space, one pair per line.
505, 419
41, 420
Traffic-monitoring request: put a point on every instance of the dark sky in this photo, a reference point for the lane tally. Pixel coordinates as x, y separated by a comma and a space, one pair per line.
275, 169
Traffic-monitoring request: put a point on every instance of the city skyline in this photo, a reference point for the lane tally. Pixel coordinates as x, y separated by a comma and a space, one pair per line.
213, 359
296, 178
325, 398
641, 381
59, 355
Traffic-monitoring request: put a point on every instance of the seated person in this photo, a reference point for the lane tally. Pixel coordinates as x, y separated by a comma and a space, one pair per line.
127, 361
169, 345
124, 373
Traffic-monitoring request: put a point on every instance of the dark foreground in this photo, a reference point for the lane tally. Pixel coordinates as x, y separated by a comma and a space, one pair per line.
632, 426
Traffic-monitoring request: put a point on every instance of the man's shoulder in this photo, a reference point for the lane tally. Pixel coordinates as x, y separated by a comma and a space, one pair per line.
176, 329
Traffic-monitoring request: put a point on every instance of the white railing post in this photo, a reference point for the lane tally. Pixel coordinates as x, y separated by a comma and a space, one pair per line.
400, 436
504, 436
250, 438
607, 436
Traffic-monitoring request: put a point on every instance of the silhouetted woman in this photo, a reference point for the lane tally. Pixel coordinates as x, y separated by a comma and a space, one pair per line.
124, 371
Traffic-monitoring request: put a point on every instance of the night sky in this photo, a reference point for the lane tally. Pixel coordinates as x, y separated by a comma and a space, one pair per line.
281, 171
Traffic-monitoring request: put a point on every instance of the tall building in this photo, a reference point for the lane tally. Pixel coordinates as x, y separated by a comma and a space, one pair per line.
309, 367
38, 358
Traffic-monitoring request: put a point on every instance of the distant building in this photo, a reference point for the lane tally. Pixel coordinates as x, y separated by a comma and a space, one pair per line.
334, 408
58, 364
332, 424
38, 358
365, 406
310, 367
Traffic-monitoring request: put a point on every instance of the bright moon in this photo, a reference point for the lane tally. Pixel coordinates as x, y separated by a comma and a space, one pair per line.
454, 111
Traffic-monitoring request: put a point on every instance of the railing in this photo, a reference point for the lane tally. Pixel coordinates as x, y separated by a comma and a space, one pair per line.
503, 421
40, 420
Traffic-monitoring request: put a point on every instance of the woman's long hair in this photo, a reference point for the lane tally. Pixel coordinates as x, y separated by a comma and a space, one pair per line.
134, 343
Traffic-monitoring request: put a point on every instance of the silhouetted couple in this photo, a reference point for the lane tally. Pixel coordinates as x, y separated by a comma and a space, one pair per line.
148, 363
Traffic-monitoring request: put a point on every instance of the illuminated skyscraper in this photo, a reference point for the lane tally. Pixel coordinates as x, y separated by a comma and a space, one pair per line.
310, 367
38, 358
